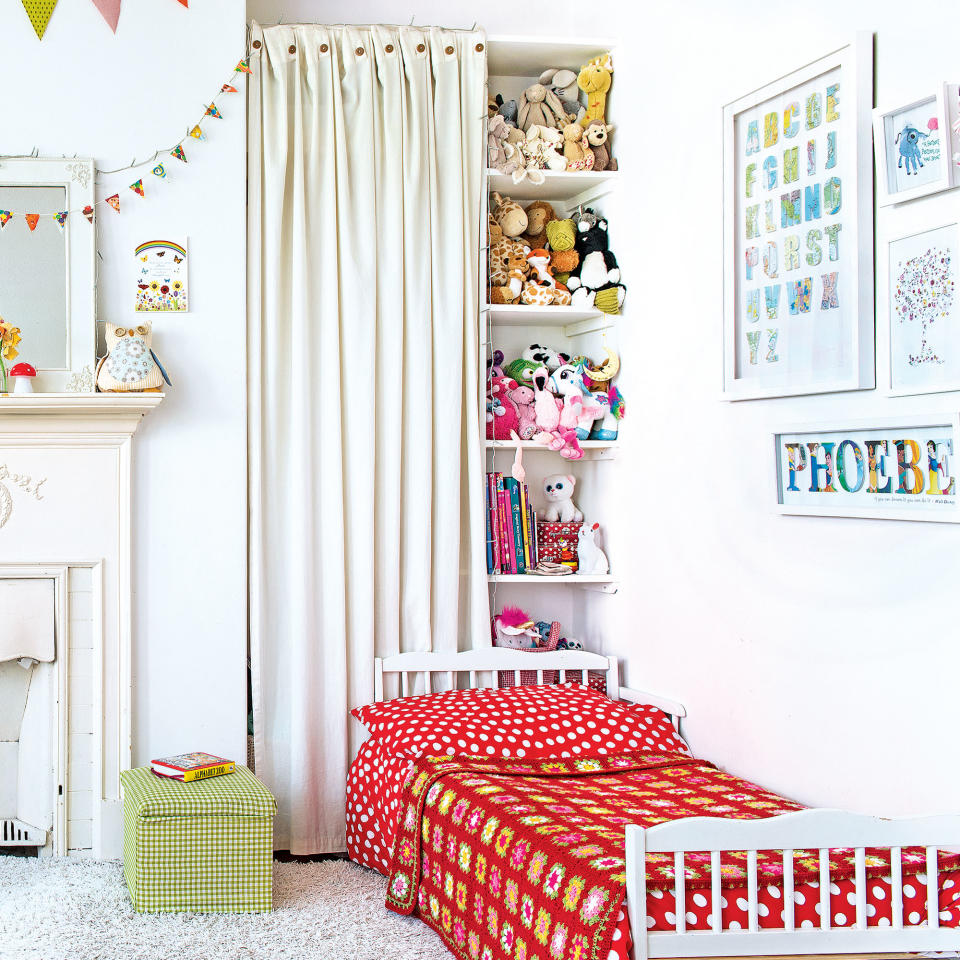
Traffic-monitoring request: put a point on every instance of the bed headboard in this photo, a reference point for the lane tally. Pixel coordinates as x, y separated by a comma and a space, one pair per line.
483, 665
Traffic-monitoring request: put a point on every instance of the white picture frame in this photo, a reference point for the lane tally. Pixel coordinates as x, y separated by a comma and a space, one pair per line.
76, 178
918, 247
933, 469
835, 352
897, 151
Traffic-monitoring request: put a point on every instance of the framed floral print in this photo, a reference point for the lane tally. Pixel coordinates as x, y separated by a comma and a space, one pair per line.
798, 231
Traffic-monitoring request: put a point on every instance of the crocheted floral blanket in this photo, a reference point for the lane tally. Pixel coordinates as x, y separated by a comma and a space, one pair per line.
526, 858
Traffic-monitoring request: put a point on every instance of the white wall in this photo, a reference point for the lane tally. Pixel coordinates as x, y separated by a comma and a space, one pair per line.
85, 91
817, 656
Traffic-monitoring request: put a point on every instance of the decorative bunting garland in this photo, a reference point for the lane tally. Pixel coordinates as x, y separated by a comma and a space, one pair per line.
158, 169
40, 11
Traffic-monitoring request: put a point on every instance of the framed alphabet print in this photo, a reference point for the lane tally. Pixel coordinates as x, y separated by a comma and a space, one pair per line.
912, 149
798, 231
896, 469
918, 297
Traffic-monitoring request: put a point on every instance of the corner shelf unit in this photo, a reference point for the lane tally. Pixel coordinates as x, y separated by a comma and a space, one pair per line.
513, 63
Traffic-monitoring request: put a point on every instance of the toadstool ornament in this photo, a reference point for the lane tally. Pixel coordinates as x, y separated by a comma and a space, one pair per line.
22, 374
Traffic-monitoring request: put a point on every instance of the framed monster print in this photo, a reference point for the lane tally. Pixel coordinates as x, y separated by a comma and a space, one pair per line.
912, 148
798, 231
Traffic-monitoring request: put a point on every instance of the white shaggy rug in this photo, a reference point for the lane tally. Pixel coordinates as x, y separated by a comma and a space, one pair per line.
73, 909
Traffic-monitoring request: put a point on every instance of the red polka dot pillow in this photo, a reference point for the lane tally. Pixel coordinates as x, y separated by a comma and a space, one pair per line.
542, 721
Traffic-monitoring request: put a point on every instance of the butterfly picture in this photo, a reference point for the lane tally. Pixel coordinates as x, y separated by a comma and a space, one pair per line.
177, 259
143, 259
161, 253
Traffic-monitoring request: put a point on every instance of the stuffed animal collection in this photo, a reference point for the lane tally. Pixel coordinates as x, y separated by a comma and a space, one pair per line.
549, 128
540, 259
553, 399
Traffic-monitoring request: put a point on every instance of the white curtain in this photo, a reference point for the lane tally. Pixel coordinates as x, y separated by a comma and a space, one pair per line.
366, 513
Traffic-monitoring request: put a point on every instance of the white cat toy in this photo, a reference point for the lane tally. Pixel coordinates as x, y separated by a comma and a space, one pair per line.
591, 560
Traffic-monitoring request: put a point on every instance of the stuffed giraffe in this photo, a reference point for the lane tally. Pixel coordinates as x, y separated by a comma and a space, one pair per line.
594, 80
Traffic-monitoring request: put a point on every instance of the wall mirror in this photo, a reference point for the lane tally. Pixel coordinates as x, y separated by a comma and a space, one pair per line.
47, 274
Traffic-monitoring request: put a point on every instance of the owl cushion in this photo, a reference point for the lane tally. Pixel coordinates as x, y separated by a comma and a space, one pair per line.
129, 364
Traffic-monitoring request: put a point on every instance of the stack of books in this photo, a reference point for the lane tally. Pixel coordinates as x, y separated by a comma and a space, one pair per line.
192, 766
511, 526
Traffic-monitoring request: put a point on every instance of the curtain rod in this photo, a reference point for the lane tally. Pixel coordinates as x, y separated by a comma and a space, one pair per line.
321, 23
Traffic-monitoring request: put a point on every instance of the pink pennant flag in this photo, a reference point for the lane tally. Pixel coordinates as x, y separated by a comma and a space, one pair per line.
114, 202
137, 187
110, 11
32, 220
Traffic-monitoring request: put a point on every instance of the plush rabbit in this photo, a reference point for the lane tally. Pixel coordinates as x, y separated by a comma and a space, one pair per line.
541, 106
591, 560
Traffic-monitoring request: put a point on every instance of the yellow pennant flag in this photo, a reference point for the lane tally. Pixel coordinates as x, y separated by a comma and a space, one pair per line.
39, 12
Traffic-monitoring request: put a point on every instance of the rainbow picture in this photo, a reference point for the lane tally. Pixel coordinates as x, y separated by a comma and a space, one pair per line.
161, 276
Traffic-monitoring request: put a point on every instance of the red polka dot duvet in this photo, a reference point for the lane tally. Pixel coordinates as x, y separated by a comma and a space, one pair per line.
499, 817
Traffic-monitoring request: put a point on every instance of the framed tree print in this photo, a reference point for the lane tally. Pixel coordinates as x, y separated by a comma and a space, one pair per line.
918, 297
798, 231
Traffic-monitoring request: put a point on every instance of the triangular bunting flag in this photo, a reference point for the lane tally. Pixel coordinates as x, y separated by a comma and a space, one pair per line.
61, 219
198, 134
177, 152
110, 10
39, 12
5, 217
137, 187
158, 171
185, 3
32, 220
88, 213
242, 67
226, 88
114, 202
212, 111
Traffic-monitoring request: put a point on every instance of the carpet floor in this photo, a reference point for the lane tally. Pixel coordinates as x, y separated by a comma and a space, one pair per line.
74, 909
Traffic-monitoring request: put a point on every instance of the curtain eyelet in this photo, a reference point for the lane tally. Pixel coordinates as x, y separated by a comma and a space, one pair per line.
324, 48
359, 51
389, 48
421, 47
448, 51
479, 48
256, 44
291, 49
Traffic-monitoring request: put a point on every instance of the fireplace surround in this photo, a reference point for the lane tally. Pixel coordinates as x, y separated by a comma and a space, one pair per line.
65, 515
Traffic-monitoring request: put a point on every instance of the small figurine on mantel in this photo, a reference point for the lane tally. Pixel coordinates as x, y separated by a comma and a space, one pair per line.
130, 364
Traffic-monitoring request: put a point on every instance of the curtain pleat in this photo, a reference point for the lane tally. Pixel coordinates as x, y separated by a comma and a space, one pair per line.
366, 523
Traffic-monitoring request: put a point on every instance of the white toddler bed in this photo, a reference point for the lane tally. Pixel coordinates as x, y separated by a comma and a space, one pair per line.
821, 830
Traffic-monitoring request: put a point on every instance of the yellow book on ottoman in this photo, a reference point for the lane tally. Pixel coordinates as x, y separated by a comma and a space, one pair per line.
192, 766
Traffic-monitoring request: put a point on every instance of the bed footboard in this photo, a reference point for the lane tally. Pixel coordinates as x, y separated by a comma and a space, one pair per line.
821, 830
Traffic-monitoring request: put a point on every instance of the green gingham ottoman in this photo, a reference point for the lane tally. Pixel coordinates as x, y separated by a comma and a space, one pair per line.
205, 846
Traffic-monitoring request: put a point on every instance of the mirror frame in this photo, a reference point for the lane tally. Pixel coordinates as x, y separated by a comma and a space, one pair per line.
80, 237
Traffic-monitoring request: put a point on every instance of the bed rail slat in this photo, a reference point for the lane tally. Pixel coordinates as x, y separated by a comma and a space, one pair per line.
824, 888
403, 684
896, 888
715, 894
860, 886
933, 886
789, 922
453, 679
752, 890
540, 677
679, 885
563, 676
516, 678
473, 679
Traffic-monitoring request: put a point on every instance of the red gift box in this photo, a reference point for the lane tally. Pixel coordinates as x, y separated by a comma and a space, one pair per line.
557, 542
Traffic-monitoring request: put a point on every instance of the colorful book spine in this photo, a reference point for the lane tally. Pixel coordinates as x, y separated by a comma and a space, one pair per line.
525, 523
493, 521
510, 563
489, 526
514, 502
533, 536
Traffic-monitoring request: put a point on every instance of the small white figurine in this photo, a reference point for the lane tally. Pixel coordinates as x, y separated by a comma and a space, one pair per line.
591, 560
558, 489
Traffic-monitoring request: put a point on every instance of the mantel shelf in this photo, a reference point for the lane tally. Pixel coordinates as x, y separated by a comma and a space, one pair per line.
79, 404
57, 417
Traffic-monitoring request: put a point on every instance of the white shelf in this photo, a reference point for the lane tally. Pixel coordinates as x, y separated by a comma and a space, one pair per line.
520, 56
592, 449
575, 322
557, 185
605, 583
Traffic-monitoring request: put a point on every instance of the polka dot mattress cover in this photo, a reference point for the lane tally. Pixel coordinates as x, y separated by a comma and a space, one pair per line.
376, 785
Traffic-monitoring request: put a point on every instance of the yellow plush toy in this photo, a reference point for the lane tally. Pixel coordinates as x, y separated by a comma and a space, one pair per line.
594, 80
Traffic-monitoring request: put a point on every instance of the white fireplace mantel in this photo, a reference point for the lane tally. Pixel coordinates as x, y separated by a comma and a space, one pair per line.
65, 503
